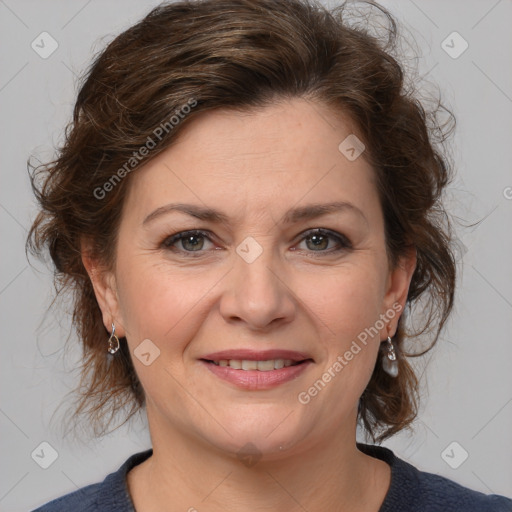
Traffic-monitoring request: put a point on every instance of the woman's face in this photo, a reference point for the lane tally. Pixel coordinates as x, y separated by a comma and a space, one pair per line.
257, 285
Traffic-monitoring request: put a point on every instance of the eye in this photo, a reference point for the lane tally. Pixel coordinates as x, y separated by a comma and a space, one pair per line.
191, 241
317, 240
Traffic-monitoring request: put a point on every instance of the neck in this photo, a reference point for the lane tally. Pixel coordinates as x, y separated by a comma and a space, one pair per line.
331, 474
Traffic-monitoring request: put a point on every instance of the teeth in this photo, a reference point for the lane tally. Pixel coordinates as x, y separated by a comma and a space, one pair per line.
262, 366
249, 365
265, 366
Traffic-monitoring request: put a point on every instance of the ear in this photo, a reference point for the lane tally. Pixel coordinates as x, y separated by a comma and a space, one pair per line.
397, 289
105, 290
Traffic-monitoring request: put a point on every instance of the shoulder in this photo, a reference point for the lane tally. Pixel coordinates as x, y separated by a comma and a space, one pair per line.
441, 493
82, 500
111, 495
420, 491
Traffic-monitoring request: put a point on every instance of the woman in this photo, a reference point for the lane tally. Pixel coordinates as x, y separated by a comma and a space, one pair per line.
246, 284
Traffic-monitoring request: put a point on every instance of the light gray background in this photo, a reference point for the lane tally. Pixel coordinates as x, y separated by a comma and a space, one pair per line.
468, 382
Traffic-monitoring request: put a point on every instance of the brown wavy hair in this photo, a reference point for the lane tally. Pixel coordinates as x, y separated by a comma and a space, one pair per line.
245, 55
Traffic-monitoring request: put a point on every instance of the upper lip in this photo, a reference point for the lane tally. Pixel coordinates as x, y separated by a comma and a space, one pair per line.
256, 355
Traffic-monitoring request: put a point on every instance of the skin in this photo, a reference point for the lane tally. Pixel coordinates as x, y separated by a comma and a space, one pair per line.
254, 167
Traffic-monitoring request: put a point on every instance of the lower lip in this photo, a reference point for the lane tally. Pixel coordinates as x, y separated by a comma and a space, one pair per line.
256, 379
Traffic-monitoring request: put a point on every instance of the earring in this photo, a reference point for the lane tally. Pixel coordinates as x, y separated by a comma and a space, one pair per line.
113, 341
389, 361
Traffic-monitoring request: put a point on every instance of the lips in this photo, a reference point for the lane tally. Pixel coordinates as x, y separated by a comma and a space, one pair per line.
257, 370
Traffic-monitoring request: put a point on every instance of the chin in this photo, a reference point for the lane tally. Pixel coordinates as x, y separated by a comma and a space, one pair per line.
267, 432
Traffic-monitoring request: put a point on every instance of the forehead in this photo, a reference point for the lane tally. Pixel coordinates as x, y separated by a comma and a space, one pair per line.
283, 154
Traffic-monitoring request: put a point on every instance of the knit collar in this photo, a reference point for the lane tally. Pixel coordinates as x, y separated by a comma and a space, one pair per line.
403, 486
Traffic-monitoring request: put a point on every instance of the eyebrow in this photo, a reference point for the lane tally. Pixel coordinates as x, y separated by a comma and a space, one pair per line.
290, 217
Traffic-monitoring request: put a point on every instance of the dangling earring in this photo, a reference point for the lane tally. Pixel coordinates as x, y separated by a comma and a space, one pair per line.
389, 362
113, 341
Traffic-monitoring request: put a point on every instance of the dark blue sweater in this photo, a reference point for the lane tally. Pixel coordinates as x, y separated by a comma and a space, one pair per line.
410, 490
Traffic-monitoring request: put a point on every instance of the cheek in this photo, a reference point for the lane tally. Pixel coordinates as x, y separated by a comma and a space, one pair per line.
347, 311
159, 301
345, 301
347, 314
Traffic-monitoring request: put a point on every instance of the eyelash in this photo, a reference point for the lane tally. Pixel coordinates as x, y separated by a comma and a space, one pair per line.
343, 241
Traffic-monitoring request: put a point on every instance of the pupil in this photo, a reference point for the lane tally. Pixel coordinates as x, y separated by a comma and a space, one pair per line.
318, 240
188, 240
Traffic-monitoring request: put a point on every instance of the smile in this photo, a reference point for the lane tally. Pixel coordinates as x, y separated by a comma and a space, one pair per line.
256, 375
262, 366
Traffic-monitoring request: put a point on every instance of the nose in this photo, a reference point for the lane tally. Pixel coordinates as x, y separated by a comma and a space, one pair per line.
257, 293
